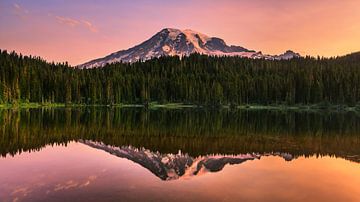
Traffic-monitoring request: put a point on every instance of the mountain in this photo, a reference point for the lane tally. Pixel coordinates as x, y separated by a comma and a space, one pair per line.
171, 42
178, 166
354, 57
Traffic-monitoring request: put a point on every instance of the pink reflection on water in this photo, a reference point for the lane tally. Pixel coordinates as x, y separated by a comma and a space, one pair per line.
86, 174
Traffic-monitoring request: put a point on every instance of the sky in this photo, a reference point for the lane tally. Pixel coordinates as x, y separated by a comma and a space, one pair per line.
81, 30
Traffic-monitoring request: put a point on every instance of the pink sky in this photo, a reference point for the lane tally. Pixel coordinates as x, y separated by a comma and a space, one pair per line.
83, 30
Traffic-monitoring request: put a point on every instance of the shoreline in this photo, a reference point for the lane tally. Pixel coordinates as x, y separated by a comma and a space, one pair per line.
312, 107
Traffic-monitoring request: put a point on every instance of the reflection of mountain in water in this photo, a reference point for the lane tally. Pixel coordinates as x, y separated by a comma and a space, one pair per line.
176, 166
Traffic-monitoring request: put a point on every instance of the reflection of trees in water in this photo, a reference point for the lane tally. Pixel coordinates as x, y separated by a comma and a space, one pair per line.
194, 131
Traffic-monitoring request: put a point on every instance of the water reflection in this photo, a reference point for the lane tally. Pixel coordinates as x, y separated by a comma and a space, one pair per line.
77, 172
173, 166
196, 132
179, 166
104, 154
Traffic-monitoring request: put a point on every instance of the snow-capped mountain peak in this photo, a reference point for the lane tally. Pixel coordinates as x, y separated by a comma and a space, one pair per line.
288, 55
171, 42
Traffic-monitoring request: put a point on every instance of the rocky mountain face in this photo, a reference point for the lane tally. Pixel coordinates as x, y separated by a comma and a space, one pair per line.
171, 42
178, 166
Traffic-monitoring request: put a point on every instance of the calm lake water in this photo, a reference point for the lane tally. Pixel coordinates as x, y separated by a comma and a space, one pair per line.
104, 154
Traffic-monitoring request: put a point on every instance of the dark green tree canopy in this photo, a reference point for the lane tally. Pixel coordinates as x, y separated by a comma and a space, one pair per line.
196, 79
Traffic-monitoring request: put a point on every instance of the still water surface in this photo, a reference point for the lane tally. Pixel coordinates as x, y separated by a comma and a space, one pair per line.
178, 155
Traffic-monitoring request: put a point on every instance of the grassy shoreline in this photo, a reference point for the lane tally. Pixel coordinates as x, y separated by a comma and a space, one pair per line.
155, 105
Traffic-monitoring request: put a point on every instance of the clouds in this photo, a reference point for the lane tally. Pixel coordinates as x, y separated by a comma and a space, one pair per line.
67, 21
23, 192
76, 23
20, 11
90, 26
25, 14
72, 184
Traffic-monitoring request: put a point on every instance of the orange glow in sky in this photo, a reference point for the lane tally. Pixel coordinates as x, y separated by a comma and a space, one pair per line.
78, 31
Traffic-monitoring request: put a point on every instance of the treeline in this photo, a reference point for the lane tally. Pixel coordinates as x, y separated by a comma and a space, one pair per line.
197, 79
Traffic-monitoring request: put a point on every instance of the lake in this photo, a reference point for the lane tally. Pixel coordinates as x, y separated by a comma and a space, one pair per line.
136, 154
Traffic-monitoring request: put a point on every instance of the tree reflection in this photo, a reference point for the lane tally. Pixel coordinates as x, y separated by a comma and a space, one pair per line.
193, 131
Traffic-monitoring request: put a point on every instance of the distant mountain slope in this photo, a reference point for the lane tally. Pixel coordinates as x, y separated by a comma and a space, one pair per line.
352, 57
170, 42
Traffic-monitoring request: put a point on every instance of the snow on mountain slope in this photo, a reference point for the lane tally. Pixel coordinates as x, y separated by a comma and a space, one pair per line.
170, 42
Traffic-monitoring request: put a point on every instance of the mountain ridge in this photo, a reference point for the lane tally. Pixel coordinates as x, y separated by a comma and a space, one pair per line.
172, 42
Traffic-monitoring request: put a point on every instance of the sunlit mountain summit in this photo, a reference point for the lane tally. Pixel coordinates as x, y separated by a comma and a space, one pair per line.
176, 42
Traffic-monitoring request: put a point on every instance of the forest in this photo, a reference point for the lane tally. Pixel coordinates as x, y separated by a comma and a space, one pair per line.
195, 79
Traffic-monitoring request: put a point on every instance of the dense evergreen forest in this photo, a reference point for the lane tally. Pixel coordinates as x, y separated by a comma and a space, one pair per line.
196, 79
